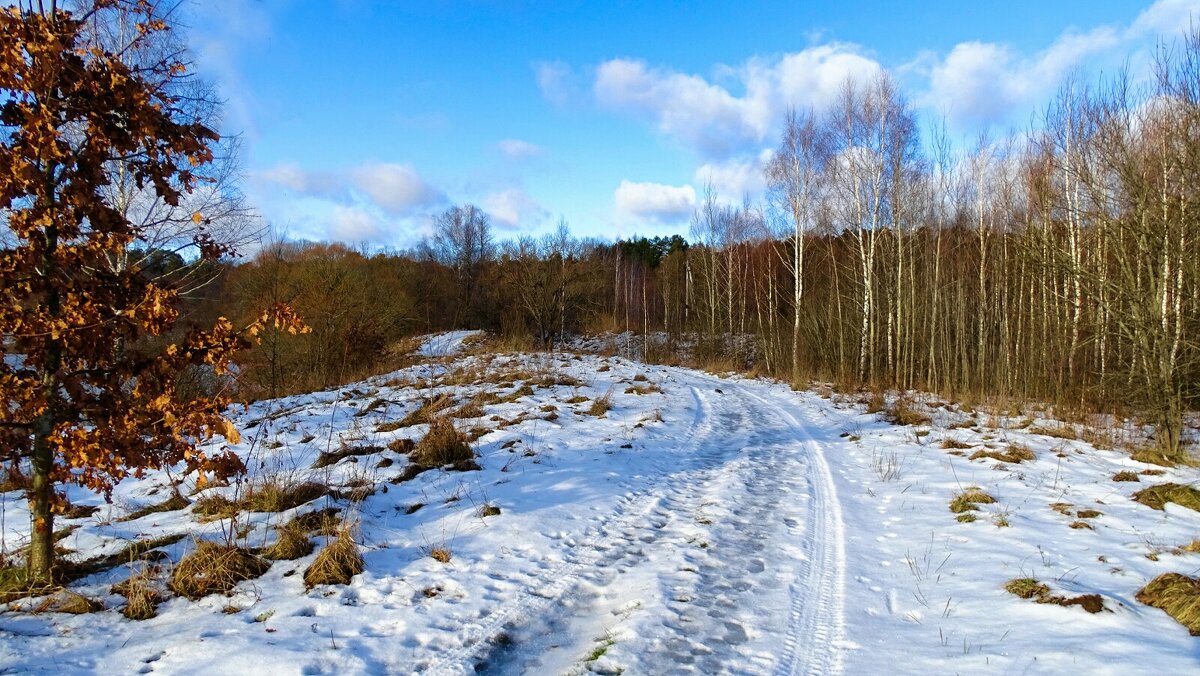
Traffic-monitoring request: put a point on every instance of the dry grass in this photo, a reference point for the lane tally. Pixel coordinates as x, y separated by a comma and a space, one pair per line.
1125, 475
1156, 497
428, 411
1030, 589
1177, 595
442, 445
601, 406
968, 499
951, 442
215, 568
327, 458
171, 504
267, 496
441, 554
488, 510
1013, 454
69, 602
141, 597
337, 563
323, 521
291, 544
903, 411
652, 388
1058, 432
1152, 456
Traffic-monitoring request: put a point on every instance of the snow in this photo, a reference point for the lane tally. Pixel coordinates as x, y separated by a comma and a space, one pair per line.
445, 344
720, 525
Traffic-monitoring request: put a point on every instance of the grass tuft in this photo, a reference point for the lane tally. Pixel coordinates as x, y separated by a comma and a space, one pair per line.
171, 504
1156, 497
1125, 475
1026, 588
904, 412
601, 406
337, 563
442, 445
1177, 595
968, 499
215, 568
69, 602
291, 544
1058, 432
1013, 454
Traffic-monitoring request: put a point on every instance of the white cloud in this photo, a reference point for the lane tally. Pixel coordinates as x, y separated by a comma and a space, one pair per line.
655, 201
732, 179
513, 208
714, 120
354, 224
517, 149
557, 81
1166, 16
396, 188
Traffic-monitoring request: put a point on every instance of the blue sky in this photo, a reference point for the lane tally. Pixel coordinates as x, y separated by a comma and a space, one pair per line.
361, 119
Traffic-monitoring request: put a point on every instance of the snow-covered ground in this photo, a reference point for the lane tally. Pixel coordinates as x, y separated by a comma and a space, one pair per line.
446, 344
720, 525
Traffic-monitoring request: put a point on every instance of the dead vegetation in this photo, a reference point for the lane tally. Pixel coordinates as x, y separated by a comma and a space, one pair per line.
327, 458
171, 504
1057, 431
337, 563
266, 496
215, 569
292, 543
952, 443
1178, 596
442, 445
968, 499
141, 595
68, 602
1030, 589
1125, 475
600, 406
903, 411
1156, 497
1014, 454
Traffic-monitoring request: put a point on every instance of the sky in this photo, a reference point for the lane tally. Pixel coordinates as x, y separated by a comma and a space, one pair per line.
360, 121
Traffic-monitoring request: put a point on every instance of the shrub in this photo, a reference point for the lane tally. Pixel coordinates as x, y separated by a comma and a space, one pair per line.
215, 568
337, 563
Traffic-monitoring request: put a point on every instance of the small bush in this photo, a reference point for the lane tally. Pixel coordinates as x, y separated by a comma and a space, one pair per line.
215, 568
1156, 497
337, 563
1177, 595
442, 445
966, 501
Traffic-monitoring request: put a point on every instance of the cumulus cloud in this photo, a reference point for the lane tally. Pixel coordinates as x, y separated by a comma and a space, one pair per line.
396, 188
987, 83
355, 224
516, 149
732, 179
655, 201
714, 120
513, 208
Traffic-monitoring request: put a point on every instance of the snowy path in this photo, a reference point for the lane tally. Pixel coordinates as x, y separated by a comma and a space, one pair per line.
733, 564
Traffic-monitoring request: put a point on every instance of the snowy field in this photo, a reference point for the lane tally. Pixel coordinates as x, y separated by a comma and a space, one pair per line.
700, 525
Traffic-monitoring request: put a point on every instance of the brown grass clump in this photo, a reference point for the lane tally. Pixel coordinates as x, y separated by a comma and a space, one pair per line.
601, 406
323, 521
141, 598
291, 544
966, 501
1177, 595
69, 602
440, 554
215, 568
1125, 475
876, 403
1030, 589
269, 496
1013, 454
1152, 457
1088, 513
951, 442
427, 412
577, 399
652, 388
442, 445
1058, 432
489, 510
327, 458
171, 504
1156, 497
401, 446
1193, 547
337, 563
1026, 588
903, 412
